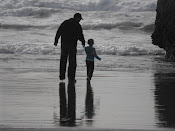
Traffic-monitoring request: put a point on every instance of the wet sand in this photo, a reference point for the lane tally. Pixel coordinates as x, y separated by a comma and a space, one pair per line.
79, 129
120, 101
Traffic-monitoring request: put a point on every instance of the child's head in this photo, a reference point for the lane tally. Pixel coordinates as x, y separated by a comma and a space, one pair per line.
90, 42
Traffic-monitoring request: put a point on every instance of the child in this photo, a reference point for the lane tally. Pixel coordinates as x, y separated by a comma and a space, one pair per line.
90, 54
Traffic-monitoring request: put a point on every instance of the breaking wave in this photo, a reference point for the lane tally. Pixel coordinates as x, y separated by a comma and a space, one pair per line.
20, 27
121, 25
94, 26
126, 25
50, 50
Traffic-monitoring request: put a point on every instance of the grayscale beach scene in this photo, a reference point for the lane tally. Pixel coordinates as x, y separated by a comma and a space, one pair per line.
132, 88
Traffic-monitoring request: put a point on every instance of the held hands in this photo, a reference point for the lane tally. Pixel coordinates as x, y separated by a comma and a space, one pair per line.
83, 44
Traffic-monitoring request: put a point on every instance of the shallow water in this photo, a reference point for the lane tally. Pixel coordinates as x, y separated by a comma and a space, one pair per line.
124, 96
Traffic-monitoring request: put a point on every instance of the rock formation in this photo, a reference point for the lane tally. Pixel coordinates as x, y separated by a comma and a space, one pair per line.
164, 33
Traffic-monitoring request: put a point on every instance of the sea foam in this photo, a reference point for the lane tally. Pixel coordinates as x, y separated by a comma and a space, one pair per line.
45, 8
51, 50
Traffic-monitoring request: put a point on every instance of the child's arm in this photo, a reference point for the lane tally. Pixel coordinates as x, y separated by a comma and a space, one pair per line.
96, 56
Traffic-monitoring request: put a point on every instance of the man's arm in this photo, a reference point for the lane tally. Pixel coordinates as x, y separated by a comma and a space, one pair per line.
58, 34
81, 36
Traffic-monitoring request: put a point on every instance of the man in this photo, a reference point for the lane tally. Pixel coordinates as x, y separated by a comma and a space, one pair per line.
70, 31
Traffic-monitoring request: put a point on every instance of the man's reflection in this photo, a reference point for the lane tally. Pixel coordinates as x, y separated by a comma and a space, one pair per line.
89, 103
165, 99
67, 108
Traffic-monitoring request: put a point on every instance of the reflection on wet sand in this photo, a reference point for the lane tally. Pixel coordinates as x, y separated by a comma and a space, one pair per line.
165, 99
67, 108
89, 104
68, 105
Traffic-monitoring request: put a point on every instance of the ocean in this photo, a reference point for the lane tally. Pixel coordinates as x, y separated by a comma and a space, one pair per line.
118, 27
121, 30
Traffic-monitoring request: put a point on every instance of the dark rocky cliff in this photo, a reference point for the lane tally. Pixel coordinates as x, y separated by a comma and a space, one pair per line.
164, 33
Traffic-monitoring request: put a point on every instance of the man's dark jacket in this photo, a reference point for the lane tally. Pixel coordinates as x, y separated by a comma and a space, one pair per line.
70, 31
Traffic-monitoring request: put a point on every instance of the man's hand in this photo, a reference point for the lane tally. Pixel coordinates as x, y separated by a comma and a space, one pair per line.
83, 44
55, 44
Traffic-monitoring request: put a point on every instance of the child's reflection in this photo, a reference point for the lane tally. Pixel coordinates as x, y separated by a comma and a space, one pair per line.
89, 104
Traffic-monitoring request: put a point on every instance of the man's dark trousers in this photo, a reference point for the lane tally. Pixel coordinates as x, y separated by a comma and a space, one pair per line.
70, 54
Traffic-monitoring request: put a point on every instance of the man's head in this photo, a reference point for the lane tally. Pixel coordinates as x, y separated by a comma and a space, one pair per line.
78, 17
